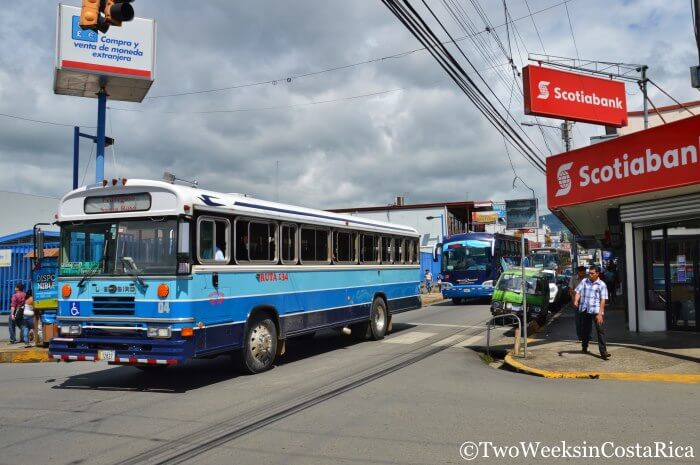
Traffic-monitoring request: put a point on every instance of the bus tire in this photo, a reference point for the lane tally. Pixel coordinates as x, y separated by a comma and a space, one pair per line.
378, 319
259, 346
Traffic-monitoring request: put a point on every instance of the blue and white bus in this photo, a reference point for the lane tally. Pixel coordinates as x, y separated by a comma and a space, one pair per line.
153, 274
472, 262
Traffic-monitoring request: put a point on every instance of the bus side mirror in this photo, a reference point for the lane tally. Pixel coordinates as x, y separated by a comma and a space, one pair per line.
436, 253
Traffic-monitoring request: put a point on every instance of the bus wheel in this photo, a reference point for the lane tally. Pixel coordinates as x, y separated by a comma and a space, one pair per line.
379, 319
259, 346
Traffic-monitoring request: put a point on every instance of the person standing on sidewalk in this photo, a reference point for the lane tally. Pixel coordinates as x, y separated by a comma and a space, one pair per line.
28, 320
573, 284
16, 302
591, 295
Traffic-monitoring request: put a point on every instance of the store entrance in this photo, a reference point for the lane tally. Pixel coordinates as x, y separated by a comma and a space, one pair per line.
682, 277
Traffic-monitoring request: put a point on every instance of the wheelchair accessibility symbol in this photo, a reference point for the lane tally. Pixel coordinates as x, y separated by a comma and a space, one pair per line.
75, 309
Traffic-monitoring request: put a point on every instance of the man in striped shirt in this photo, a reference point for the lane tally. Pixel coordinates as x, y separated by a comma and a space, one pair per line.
591, 295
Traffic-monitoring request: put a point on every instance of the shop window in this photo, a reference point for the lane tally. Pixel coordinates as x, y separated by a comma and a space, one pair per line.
368, 248
654, 274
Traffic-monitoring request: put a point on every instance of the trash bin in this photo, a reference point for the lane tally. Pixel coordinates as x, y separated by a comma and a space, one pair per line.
49, 328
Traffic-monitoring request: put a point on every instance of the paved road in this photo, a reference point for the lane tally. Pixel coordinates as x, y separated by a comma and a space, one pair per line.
410, 399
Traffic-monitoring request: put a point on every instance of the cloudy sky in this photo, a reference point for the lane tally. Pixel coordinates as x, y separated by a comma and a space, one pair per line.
355, 136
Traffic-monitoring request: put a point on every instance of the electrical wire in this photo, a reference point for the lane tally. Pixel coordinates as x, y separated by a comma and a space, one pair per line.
669, 96
408, 16
92, 149
31, 120
114, 143
289, 79
571, 28
537, 30
460, 13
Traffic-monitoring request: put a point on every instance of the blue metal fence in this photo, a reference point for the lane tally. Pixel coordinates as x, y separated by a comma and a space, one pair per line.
20, 271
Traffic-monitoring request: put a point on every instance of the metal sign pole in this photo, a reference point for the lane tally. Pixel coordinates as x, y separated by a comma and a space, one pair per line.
524, 291
100, 155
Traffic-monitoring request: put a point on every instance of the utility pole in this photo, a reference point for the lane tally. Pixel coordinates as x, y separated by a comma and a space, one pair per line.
566, 134
643, 85
695, 70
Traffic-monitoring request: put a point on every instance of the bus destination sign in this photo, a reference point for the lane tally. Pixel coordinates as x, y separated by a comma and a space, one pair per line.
118, 203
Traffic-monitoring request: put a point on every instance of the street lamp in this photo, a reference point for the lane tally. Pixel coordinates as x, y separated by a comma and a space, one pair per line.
442, 223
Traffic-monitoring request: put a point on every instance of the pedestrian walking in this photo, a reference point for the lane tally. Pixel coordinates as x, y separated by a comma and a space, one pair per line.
27, 323
16, 303
573, 284
591, 296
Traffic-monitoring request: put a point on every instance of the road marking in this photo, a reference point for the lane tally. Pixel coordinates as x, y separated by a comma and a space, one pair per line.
448, 341
469, 341
446, 325
409, 338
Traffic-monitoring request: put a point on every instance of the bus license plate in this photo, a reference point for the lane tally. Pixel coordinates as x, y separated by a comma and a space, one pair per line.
106, 355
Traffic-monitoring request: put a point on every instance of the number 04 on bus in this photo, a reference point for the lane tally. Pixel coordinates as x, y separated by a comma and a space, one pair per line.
154, 274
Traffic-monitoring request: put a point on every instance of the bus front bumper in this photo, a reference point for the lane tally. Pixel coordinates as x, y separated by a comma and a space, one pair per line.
122, 350
469, 291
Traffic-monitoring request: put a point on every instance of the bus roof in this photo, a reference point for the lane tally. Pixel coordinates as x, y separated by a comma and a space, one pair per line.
166, 199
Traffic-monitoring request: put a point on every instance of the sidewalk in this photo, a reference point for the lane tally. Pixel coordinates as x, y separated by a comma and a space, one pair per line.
17, 353
555, 352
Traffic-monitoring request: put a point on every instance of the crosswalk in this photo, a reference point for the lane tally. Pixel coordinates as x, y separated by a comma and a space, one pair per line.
413, 337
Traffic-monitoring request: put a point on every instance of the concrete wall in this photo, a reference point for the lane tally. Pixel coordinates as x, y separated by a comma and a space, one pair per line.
23, 211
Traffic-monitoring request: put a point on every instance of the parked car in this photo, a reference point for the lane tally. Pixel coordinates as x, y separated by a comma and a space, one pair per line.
507, 294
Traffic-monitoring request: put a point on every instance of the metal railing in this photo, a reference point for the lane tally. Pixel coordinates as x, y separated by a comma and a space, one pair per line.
489, 325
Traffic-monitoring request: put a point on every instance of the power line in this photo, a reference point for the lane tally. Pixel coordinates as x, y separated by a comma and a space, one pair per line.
31, 120
289, 79
571, 28
536, 28
417, 26
669, 96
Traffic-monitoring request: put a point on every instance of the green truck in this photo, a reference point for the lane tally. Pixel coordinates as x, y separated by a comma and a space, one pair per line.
507, 294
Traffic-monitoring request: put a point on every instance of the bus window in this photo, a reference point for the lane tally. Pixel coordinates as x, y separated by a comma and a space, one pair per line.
241, 241
368, 249
386, 250
399, 250
213, 243
344, 247
262, 244
314, 245
288, 240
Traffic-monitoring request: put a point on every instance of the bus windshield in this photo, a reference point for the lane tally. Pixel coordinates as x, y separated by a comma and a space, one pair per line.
142, 246
469, 255
548, 260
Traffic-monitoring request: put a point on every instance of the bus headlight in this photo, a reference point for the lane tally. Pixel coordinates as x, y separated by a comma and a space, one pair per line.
508, 306
159, 332
488, 283
71, 330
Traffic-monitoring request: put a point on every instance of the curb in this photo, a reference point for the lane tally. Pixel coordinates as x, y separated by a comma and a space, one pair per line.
30, 355
619, 376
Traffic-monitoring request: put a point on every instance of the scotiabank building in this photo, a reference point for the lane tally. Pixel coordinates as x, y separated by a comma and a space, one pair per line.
640, 193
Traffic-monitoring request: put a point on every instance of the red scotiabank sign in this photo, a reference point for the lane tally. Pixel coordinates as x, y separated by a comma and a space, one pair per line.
659, 158
576, 97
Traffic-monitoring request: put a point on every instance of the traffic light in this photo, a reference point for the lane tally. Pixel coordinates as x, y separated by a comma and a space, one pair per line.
100, 14
90, 14
117, 11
